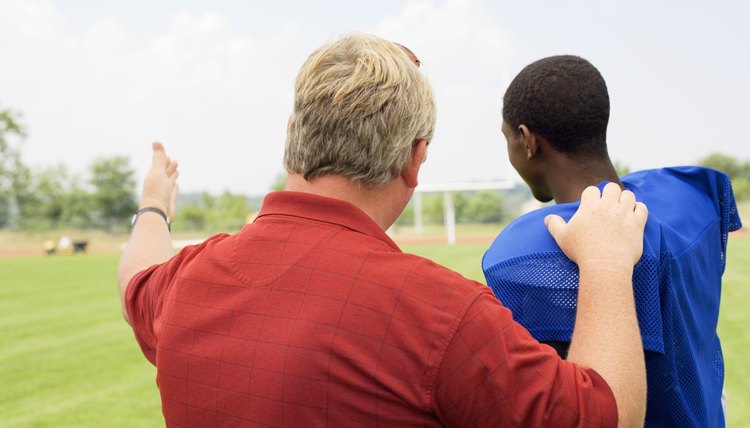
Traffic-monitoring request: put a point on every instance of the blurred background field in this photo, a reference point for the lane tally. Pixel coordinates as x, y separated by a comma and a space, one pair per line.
84, 86
68, 359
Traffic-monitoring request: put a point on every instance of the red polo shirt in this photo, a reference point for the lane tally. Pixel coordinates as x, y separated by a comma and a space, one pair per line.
312, 316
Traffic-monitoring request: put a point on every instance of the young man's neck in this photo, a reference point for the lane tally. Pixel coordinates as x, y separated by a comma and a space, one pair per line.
572, 177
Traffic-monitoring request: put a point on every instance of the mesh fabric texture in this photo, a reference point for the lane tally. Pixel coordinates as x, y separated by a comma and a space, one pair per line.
677, 286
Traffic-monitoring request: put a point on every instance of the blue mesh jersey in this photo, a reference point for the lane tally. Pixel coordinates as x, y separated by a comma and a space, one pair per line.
677, 286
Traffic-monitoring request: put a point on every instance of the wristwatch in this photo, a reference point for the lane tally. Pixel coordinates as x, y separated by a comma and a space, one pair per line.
153, 210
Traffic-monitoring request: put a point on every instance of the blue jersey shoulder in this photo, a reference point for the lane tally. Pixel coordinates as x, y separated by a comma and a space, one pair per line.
676, 286
682, 202
527, 235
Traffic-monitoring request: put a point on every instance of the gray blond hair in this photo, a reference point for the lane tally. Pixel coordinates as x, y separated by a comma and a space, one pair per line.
360, 104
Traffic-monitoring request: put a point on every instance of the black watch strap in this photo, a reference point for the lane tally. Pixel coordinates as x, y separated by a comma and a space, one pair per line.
153, 210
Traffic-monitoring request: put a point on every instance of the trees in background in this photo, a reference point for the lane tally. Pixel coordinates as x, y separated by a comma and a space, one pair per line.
12, 171
204, 212
483, 206
43, 202
738, 172
113, 197
52, 198
621, 168
279, 183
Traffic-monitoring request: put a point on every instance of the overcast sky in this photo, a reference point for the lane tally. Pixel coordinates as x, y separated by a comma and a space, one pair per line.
213, 80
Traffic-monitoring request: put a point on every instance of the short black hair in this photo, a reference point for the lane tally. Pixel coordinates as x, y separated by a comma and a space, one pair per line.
564, 99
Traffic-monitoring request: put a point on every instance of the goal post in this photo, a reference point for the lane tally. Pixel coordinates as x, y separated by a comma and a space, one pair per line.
449, 212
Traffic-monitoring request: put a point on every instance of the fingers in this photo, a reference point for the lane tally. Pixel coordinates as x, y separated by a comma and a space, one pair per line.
611, 191
171, 167
627, 199
161, 160
614, 192
590, 193
556, 225
641, 213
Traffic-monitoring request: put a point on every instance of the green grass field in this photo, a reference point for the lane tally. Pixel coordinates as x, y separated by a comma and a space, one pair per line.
67, 359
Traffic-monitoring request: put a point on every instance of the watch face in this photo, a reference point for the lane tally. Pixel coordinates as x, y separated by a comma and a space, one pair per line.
132, 221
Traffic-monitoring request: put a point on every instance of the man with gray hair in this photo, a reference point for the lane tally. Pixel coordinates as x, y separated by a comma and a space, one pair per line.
312, 315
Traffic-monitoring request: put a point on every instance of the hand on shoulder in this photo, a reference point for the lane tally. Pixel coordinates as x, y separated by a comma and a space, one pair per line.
606, 228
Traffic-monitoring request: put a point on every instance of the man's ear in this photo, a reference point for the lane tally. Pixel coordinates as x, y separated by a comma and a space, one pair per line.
416, 158
530, 141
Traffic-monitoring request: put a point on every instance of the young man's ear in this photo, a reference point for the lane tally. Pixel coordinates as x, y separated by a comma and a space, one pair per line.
416, 158
530, 141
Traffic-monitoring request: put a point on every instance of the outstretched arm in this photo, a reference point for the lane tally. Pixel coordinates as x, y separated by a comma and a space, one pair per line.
150, 242
605, 239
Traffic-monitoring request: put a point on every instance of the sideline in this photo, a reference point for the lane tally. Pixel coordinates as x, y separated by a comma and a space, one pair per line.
181, 243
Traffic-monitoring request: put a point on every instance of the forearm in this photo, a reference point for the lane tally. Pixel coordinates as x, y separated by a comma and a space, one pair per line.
607, 337
149, 244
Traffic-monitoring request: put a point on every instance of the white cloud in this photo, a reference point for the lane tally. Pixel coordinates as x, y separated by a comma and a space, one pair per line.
219, 96
218, 100
29, 20
465, 55
457, 34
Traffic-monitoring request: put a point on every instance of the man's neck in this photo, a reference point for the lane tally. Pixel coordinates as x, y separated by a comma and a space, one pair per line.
572, 177
380, 203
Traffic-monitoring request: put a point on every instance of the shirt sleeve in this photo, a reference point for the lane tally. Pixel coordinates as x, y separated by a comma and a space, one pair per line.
145, 294
495, 374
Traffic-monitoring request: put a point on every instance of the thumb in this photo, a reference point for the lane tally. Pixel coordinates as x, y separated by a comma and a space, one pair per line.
159, 154
556, 226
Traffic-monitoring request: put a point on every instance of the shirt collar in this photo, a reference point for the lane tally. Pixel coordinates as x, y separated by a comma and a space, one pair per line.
323, 209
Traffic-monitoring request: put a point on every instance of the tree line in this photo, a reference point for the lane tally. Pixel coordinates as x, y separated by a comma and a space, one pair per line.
105, 197
53, 198
738, 172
